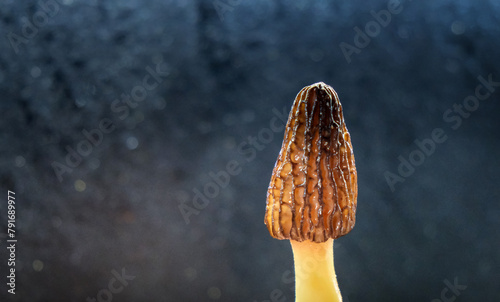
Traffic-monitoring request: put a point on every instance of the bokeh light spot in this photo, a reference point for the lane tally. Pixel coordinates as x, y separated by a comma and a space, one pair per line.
214, 293
38, 265
35, 71
458, 27
132, 143
20, 161
80, 185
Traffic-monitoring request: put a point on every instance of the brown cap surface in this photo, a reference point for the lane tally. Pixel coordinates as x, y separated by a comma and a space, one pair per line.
313, 190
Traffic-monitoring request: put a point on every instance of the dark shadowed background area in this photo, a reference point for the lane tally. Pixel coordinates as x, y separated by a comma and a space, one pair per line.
139, 138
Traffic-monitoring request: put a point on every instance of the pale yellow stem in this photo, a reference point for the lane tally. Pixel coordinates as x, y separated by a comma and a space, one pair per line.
315, 279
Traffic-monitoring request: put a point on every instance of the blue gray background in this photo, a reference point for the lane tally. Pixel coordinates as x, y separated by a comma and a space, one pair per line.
225, 65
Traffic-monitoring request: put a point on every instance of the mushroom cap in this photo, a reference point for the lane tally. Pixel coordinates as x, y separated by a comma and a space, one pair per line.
313, 190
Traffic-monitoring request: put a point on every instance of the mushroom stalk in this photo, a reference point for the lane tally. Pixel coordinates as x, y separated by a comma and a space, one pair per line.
315, 278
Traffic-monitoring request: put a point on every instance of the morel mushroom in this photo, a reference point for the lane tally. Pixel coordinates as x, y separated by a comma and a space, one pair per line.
311, 198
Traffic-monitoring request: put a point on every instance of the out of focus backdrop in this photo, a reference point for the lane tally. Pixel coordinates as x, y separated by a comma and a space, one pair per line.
139, 139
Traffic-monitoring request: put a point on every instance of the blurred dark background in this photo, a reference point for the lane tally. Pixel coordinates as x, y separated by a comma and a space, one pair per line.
192, 86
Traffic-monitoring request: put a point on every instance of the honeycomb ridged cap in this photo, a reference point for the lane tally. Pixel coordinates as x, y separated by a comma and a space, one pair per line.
313, 190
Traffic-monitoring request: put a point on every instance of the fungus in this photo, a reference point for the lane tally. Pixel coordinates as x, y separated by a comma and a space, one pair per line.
311, 199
